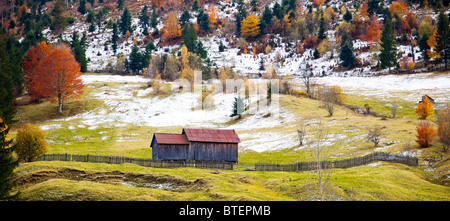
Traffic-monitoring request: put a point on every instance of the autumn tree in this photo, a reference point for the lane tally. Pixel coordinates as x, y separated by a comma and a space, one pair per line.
399, 7
425, 108
407, 63
172, 29
212, 12
425, 133
373, 33
30, 141
363, 10
58, 76
30, 62
250, 27
444, 127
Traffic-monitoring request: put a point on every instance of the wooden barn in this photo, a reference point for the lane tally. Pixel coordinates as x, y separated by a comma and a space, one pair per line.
196, 144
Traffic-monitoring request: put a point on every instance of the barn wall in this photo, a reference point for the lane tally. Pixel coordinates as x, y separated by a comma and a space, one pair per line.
172, 152
213, 151
154, 146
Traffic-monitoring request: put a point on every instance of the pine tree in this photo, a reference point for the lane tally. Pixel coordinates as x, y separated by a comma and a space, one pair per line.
322, 28
125, 22
189, 36
277, 10
120, 4
424, 47
154, 21
238, 107
240, 15
347, 56
443, 39
387, 55
79, 52
203, 21
59, 21
347, 16
82, 7
144, 20
267, 15
115, 38
135, 60
7, 162
185, 17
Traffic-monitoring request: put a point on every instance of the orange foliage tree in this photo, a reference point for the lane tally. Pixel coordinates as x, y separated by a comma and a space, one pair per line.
212, 12
363, 10
172, 28
374, 30
250, 26
425, 108
31, 61
425, 134
58, 76
407, 63
399, 7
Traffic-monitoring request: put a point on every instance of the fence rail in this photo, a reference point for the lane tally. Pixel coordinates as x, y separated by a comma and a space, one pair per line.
300, 166
346, 163
138, 161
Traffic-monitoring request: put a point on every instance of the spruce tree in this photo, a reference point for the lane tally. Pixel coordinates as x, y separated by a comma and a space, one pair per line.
443, 39
125, 22
114, 38
238, 107
144, 20
387, 55
135, 60
347, 56
322, 28
120, 4
185, 17
347, 16
189, 36
203, 21
154, 21
82, 7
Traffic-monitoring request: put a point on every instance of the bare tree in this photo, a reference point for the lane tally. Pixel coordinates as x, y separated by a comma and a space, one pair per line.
319, 156
394, 107
374, 134
308, 81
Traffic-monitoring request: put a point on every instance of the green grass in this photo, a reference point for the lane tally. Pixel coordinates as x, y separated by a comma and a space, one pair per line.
383, 182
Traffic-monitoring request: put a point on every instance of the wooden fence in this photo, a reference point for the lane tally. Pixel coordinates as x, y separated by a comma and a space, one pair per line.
346, 163
138, 161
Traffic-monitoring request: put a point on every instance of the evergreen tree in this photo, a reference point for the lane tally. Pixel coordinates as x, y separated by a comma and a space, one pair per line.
79, 52
423, 45
267, 15
184, 19
316, 53
135, 60
195, 5
238, 107
144, 20
82, 7
203, 21
154, 21
115, 38
59, 22
347, 56
277, 10
443, 39
347, 16
189, 36
387, 55
200, 50
7, 162
120, 4
322, 28
125, 22
240, 15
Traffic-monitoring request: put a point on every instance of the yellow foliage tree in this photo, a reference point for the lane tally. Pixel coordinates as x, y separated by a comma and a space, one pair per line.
432, 44
250, 26
399, 7
425, 108
212, 11
30, 142
171, 28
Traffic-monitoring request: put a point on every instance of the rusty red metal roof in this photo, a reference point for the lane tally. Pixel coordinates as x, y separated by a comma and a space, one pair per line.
211, 135
170, 138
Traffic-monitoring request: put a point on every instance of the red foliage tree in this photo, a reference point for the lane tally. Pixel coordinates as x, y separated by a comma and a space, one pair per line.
58, 76
374, 30
31, 61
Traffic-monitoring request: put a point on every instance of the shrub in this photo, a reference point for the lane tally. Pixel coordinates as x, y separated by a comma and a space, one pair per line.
425, 134
30, 141
299, 93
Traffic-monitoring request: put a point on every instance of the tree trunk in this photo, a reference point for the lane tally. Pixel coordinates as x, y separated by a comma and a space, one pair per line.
59, 104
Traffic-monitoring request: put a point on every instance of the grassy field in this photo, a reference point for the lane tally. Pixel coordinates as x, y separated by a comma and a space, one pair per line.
346, 129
